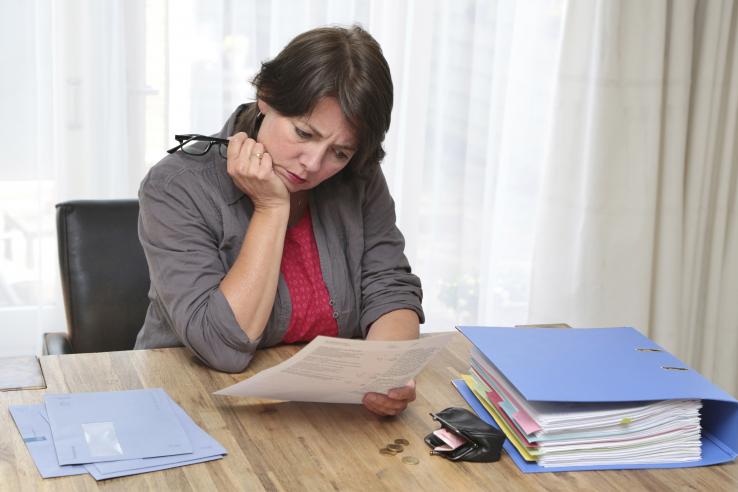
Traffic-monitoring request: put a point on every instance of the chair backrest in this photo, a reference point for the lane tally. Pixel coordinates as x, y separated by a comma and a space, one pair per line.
105, 278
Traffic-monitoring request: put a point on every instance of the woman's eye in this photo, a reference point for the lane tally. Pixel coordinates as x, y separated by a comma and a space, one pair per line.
340, 155
301, 133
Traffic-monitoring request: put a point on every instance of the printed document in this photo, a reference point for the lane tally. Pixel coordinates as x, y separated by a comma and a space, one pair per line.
339, 370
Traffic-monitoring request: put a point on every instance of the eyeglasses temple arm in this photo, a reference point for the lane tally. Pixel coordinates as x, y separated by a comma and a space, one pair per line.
175, 149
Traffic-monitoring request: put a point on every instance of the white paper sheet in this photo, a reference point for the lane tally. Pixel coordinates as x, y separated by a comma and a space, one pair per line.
339, 370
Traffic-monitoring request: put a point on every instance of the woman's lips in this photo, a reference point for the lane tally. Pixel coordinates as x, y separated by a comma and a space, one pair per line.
289, 176
295, 178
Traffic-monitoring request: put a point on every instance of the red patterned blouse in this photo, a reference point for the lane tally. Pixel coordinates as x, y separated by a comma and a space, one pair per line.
312, 315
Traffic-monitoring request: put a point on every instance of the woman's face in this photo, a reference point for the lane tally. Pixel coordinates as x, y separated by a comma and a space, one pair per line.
307, 150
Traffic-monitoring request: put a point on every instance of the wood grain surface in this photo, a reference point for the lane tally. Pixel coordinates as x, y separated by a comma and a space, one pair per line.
302, 446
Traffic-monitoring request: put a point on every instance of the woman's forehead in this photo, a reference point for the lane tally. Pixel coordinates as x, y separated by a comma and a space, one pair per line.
328, 121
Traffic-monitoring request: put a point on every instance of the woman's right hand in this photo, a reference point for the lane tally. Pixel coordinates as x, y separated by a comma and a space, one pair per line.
250, 167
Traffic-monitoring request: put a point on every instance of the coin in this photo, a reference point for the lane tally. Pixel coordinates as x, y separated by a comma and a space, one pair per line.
387, 451
395, 447
410, 460
402, 441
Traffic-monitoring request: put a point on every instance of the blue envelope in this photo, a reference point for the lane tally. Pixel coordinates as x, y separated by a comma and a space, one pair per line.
114, 425
205, 448
602, 365
34, 429
97, 475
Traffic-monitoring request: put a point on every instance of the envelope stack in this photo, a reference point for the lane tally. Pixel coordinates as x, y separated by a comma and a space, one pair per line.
560, 434
112, 434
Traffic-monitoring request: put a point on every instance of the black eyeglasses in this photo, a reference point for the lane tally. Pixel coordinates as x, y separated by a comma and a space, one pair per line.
194, 144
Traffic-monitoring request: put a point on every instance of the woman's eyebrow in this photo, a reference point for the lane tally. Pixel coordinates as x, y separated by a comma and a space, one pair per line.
317, 133
347, 148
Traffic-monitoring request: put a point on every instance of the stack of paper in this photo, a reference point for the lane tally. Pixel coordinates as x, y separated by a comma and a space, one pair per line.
22, 372
595, 398
111, 434
585, 434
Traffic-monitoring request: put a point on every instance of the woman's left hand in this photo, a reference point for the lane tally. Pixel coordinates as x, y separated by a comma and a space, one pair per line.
393, 403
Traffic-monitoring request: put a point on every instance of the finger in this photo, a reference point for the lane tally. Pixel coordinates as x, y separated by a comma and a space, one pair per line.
246, 164
402, 394
380, 411
247, 150
389, 410
371, 402
267, 166
257, 150
234, 145
399, 393
406, 392
383, 405
257, 153
396, 397
235, 148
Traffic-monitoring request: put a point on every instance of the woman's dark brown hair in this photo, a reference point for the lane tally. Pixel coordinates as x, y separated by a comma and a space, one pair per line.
347, 64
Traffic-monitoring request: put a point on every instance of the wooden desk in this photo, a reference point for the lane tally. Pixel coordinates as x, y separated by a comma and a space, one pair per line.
303, 446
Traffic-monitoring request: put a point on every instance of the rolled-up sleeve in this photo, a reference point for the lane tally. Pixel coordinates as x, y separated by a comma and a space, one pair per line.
387, 283
177, 232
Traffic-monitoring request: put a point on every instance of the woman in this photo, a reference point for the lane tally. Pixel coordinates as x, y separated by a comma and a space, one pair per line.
289, 232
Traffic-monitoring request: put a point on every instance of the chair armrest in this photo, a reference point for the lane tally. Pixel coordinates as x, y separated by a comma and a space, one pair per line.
57, 344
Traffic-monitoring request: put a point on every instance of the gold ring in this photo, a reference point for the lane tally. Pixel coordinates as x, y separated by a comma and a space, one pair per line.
259, 155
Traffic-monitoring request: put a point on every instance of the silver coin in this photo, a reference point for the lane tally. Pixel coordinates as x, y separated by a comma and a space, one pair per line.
410, 460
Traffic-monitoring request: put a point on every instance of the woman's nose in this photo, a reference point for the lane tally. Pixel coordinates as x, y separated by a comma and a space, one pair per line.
312, 158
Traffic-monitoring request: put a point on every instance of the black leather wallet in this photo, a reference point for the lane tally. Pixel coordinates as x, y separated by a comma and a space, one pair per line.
483, 443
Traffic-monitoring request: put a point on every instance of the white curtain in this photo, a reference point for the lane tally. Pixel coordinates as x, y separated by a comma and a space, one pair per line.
98, 89
638, 224
550, 160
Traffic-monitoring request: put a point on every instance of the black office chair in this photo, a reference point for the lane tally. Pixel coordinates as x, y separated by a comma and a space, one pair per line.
105, 278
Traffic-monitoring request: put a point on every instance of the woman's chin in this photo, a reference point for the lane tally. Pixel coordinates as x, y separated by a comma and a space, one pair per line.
291, 187
281, 175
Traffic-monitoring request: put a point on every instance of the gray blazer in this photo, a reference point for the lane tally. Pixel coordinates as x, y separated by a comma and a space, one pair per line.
192, 222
